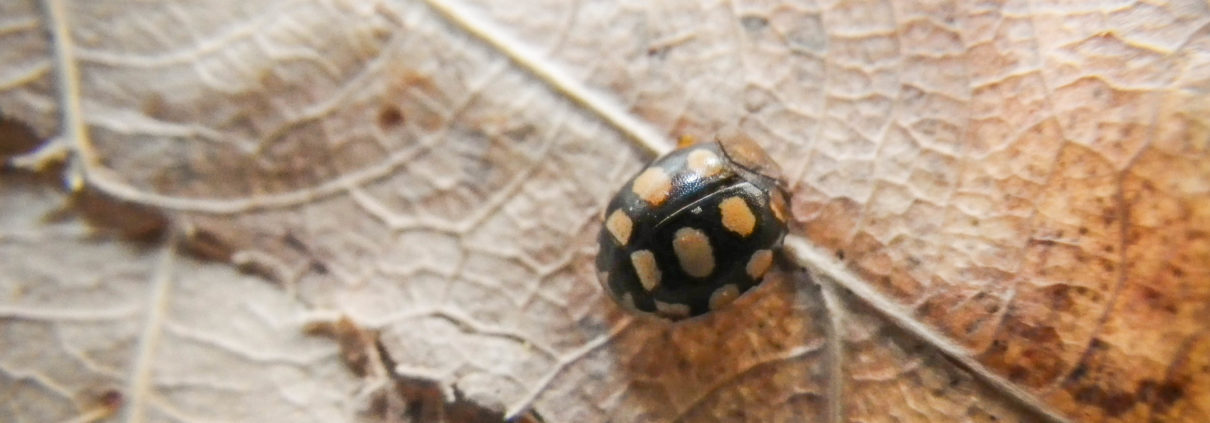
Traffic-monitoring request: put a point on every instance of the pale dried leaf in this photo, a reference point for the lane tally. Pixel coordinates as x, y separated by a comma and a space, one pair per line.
95, 327
1004, 205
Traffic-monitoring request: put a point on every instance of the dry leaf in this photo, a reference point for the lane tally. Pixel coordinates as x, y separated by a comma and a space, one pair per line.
96, 327
1003, 210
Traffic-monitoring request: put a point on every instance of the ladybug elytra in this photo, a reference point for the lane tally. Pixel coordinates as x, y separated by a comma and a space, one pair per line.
693, 230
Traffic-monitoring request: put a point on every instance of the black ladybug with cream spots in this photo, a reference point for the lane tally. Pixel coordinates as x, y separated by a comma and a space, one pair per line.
694, 230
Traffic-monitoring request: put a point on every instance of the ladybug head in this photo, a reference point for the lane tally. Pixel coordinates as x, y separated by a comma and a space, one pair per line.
747, 154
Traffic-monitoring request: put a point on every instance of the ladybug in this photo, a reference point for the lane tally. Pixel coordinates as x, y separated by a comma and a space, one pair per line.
694, 230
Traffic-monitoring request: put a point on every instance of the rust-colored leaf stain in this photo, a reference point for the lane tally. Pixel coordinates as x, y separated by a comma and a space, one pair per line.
389, 117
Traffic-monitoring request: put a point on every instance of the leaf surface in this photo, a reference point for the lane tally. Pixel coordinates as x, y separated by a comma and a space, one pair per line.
1001, 210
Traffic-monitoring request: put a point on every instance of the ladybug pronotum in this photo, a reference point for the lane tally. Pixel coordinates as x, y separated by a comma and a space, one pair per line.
694, 230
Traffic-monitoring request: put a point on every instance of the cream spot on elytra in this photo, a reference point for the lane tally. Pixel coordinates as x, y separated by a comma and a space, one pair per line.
652, 186
737, 217
646, 268
759, 263
693, 251
723, 296
672, 310
704, 162
619, 224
